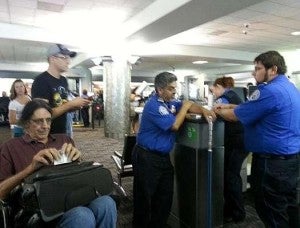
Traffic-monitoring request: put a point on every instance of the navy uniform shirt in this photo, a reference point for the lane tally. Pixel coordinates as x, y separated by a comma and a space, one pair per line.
222, 100
271, 118
157, 120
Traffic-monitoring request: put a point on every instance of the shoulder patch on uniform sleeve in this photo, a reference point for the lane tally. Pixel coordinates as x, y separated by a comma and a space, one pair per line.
255, 95
163, 110
218, 101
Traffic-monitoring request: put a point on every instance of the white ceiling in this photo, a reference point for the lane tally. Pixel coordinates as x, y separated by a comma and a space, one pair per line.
226, 33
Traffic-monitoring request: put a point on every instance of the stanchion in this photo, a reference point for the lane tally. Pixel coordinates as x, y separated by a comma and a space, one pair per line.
209, 173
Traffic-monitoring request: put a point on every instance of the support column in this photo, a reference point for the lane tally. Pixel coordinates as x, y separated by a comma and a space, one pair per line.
116, 94
85, 76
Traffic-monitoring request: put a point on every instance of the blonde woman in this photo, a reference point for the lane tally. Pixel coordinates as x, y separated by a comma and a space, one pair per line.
18, 99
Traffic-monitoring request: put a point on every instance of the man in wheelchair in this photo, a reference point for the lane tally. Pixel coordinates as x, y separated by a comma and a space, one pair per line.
20, 157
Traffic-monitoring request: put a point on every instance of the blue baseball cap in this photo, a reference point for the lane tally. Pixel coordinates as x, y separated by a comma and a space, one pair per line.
60, 49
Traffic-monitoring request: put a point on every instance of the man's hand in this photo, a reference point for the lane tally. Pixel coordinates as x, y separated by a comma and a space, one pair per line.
208, 114
44, 157
72, 152
226, 111
79, 102
223, 106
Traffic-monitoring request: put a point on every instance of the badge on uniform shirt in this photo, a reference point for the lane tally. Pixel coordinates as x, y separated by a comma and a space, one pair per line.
173, 109
255, 95
163, 110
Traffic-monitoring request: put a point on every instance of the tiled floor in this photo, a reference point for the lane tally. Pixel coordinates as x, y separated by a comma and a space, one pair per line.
94, 146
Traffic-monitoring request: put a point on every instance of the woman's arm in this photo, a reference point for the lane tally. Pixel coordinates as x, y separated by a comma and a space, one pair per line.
12, 116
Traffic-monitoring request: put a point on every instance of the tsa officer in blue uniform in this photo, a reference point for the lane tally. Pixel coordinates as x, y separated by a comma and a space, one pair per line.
153, 172
271, 122
234, 155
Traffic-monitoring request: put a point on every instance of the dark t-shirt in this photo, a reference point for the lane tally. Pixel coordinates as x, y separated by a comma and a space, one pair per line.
4, 102
17, 153
56, 92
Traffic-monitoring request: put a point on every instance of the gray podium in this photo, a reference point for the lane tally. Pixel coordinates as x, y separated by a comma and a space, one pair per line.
191, 162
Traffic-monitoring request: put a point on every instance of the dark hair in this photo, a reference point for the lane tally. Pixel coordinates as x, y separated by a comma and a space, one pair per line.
84, 92
13, 93
163, 79
270, 59
31, 107
226, 82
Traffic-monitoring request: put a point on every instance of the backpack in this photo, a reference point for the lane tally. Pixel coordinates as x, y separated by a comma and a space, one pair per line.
46, 194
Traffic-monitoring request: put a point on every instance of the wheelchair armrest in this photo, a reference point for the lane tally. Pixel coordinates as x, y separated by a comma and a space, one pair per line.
117, 153
127, 167
5, 213
117, 161
8, 207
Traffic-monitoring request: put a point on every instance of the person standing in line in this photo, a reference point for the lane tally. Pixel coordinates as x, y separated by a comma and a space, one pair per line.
234, 155
153, 172
18, 99
85, 110
271, 122
53, 87
4, 102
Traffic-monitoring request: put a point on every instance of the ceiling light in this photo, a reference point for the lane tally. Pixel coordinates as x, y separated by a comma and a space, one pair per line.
133, 59
97, 60
51, 5
297, 33
200, 62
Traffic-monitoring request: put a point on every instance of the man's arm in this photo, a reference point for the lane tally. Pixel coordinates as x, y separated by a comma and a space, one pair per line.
9, 184
226, 111
198, 109
43, 157
74, 104
40, 89
189, 106
180, 117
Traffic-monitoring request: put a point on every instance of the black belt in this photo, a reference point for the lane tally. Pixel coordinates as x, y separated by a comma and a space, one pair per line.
159, 153
276, 156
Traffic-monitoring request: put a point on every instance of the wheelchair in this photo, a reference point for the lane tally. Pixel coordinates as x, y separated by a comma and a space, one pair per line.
12, 215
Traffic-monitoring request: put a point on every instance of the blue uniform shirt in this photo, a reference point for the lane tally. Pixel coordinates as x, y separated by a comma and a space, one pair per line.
157, 120
271, 118
222, 100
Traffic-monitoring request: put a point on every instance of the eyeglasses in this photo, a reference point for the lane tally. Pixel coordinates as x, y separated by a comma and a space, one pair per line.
41, 121
66, 57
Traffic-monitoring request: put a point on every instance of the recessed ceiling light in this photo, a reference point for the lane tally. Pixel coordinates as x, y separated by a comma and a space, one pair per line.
297, 33
200, 62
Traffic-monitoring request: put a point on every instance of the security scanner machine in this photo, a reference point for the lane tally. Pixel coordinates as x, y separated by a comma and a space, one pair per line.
198, 162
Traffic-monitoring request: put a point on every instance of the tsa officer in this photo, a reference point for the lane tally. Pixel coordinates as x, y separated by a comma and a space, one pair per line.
271, 122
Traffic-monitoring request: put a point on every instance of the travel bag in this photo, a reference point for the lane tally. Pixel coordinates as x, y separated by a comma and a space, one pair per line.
49, 192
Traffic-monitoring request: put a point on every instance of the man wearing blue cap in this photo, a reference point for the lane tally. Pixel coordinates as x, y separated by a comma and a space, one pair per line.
53, 87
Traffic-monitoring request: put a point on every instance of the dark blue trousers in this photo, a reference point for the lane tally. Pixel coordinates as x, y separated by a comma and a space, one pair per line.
233, 185
274, 184
152, 188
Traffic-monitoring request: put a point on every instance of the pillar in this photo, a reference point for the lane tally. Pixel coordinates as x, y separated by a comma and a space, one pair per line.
116, 94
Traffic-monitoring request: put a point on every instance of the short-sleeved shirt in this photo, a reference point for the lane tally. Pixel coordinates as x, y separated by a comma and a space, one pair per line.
222, 99
55, 90
18, 107
271, 118
158, 117
17, 153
